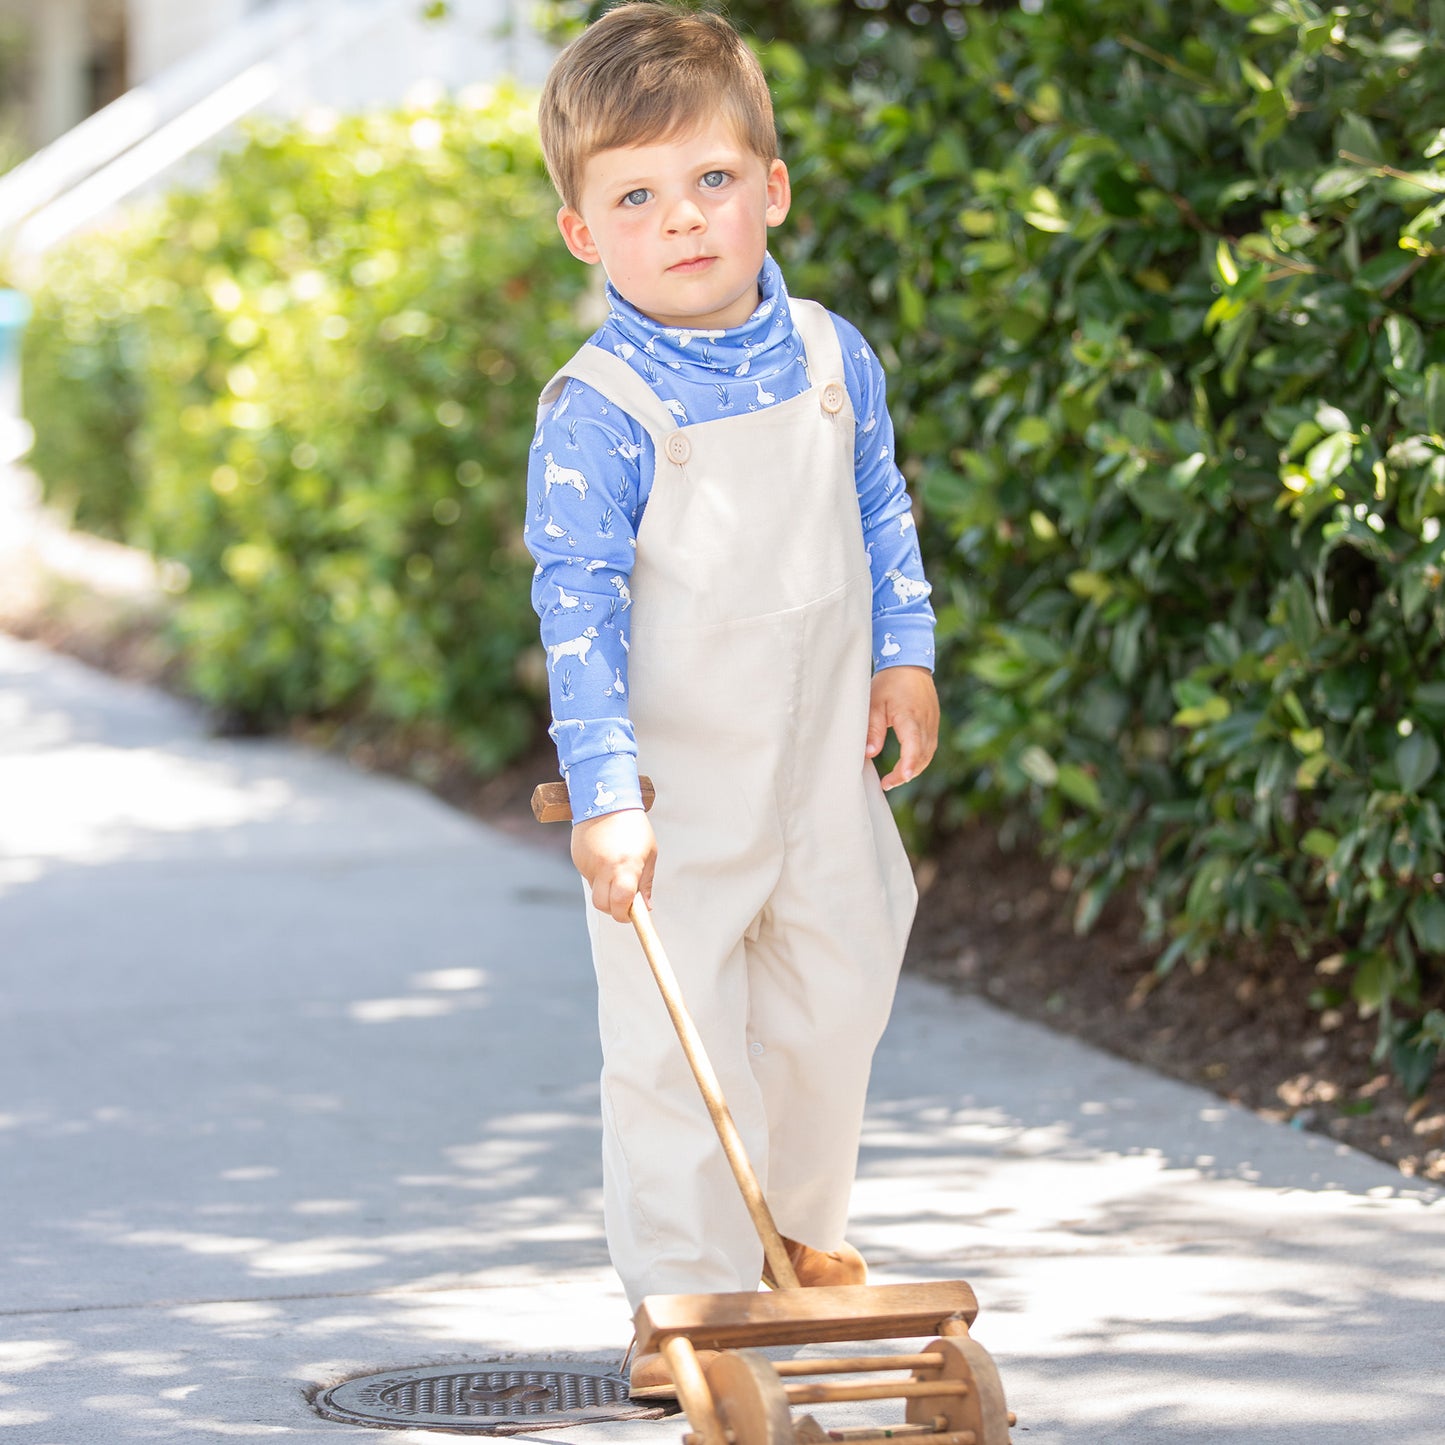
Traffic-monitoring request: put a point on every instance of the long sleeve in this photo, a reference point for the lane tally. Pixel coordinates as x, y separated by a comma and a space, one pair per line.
902, 615
583, 507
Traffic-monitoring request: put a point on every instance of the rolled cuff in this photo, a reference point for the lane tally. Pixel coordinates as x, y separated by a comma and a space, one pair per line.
605, 784
903, 641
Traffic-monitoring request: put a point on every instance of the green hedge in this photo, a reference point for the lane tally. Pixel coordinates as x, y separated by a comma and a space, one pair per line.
1161, 290
313, 383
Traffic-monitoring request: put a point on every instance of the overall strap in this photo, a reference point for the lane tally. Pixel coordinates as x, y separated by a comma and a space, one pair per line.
614, 379
820, 341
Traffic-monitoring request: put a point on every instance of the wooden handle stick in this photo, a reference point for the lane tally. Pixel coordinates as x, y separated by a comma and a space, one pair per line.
550, 805
774, 1250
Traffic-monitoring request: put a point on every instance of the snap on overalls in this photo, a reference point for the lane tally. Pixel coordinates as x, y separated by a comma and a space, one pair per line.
782, 891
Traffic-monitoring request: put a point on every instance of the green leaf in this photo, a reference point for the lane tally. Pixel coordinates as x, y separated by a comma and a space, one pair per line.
1214, 709
1271, 24
1328, 458
1373, 982
1118, 195
1356, 135
1435, 398
1080, 787
1039, 766
1091, 902
1254, 77
1426, 917
1094, 586
1403, 46
1406, 344
1044, 212
1319, 843
911, 308
1224, 263
1002, 669
1413, 1061
1338, 183
1417, 756
1032, 432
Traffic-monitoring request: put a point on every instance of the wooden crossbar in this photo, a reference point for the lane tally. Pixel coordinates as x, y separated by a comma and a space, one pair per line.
856, 1364
797, 1317
822, 1393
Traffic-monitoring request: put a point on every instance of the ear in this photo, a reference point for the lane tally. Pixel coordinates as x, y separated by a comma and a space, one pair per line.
780, 193
577, 235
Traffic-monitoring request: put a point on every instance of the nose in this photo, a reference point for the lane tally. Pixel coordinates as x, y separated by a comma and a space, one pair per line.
684, 217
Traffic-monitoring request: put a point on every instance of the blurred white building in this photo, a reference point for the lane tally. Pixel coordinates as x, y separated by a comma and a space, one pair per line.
118, 96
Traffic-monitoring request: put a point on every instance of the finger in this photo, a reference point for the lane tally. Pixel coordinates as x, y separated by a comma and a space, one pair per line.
648, 870
911, 759
913, 753
624, 890
877, 730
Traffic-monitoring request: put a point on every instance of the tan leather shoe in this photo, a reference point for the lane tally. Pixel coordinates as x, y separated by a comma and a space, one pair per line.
817, 1267
650, 1378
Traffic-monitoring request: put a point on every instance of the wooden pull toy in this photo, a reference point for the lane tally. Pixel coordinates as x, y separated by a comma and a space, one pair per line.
951, 1391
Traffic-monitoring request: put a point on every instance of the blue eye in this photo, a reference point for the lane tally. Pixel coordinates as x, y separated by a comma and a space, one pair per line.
636, 198
713, 179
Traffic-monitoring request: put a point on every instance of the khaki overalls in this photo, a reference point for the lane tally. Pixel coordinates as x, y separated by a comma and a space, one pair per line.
783, 894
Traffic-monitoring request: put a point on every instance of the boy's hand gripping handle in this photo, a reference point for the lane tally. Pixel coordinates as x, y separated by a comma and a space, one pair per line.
548, 807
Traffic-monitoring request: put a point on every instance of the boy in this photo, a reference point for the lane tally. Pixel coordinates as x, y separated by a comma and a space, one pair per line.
725, 553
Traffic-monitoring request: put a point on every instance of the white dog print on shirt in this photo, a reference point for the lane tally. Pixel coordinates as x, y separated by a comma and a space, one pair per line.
556, 476
905, 588
579, 647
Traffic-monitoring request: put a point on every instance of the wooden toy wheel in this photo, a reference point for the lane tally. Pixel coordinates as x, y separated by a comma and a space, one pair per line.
980, 1407
749, 1398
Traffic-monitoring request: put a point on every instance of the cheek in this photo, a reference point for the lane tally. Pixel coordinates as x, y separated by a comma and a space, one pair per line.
626, 236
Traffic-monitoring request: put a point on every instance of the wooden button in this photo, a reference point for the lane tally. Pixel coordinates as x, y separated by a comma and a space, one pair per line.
678, 448
833, 398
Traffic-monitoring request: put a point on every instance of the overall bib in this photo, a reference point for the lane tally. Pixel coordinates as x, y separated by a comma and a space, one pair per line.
783, 893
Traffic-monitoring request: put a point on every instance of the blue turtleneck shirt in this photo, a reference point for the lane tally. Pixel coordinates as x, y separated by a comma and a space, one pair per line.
584, 544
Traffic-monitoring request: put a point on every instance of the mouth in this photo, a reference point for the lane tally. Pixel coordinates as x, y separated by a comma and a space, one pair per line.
691, 265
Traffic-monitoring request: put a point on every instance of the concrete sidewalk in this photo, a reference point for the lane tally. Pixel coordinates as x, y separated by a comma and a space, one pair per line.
298, 1080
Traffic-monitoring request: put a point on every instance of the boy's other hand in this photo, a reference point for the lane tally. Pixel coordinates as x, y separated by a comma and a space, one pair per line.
616, 855
904, 699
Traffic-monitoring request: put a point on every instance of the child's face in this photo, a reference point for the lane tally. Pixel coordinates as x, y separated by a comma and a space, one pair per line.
681, 226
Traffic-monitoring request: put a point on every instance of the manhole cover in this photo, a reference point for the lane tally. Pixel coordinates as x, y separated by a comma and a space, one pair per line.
501, 1397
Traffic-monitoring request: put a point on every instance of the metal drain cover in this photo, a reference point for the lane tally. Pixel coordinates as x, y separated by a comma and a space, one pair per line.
494, 1397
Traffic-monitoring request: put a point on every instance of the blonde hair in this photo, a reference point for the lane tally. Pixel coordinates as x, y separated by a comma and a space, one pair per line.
646, 72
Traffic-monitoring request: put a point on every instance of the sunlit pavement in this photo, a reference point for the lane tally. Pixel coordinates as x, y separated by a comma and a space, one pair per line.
298, 1080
